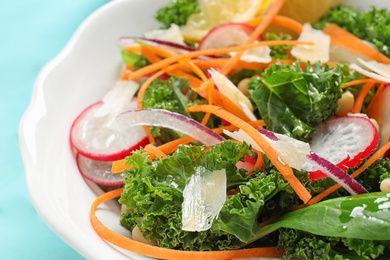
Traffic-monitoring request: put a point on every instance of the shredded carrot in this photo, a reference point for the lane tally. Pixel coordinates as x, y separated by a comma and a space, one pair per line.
264, 145
165, 62
375, 109
150, 56
360, 81
155, 151
259, 162
167, 148
361, 96
272, 12
280, 20
342, 38
133, 48
361, 169
164, 253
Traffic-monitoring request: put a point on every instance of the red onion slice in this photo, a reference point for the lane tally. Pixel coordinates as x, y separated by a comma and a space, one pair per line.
334, 172
131, 40
168, 119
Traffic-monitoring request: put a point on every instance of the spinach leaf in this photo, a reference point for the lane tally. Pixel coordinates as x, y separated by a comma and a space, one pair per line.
365, 216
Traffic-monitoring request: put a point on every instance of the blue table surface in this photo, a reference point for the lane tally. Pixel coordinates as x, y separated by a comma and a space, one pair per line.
32, 33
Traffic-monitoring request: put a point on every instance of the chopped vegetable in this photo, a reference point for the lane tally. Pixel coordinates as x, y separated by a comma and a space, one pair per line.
177, 12
291, 100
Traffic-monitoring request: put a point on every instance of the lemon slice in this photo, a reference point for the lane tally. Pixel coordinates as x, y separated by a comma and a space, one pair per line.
214, 12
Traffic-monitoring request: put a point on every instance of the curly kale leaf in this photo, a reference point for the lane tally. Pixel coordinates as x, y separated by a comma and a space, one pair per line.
372, 26
174, 95
153, 197
291, 101
177, 12
279, 52
301, 244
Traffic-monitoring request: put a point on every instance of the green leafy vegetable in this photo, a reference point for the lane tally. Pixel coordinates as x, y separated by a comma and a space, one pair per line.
372, 26
153, 197
291, 100
136, 60
279, 52
177, 12
301, 244
363, 216
174, 95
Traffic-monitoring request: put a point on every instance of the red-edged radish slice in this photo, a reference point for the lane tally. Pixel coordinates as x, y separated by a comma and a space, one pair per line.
95, 132
235, 34
297, 155
168, 119
344, 141
97, 171
226, 35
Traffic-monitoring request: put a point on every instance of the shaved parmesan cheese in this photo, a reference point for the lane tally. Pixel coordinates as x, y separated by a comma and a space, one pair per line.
317, 52
228, 89
118, 100
172, 34
260, 54
291, 151
204, 197
368, 73
380, 68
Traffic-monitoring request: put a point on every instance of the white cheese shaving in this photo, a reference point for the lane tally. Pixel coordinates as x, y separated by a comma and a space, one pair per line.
117, 100
260, 54
229, 90
380, 68
204, 197
368, 73
291, 151
317, 52
172, 34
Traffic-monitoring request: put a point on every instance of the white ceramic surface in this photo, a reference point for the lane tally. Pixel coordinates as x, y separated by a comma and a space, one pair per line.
80, 75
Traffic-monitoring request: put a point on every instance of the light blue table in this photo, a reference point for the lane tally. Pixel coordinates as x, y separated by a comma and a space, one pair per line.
31, 34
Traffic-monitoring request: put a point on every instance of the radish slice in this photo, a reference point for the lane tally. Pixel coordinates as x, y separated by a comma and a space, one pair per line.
235, 34
297, 155
344, 141
226, 35
98, 171
168, 119
334, 172
95, 133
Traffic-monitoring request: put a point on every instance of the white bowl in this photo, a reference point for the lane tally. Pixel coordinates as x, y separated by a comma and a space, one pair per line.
79, 76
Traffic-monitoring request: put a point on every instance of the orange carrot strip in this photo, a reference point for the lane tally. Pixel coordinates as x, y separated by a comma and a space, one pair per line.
277, 5
168, 53
167, 148
360, 81
264, 145
342, 38
361, 169
165, 62
360, 98
155, 151
150, 56
255, 124
375, 109
163, 253
259, 162
280, 20
133, 48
